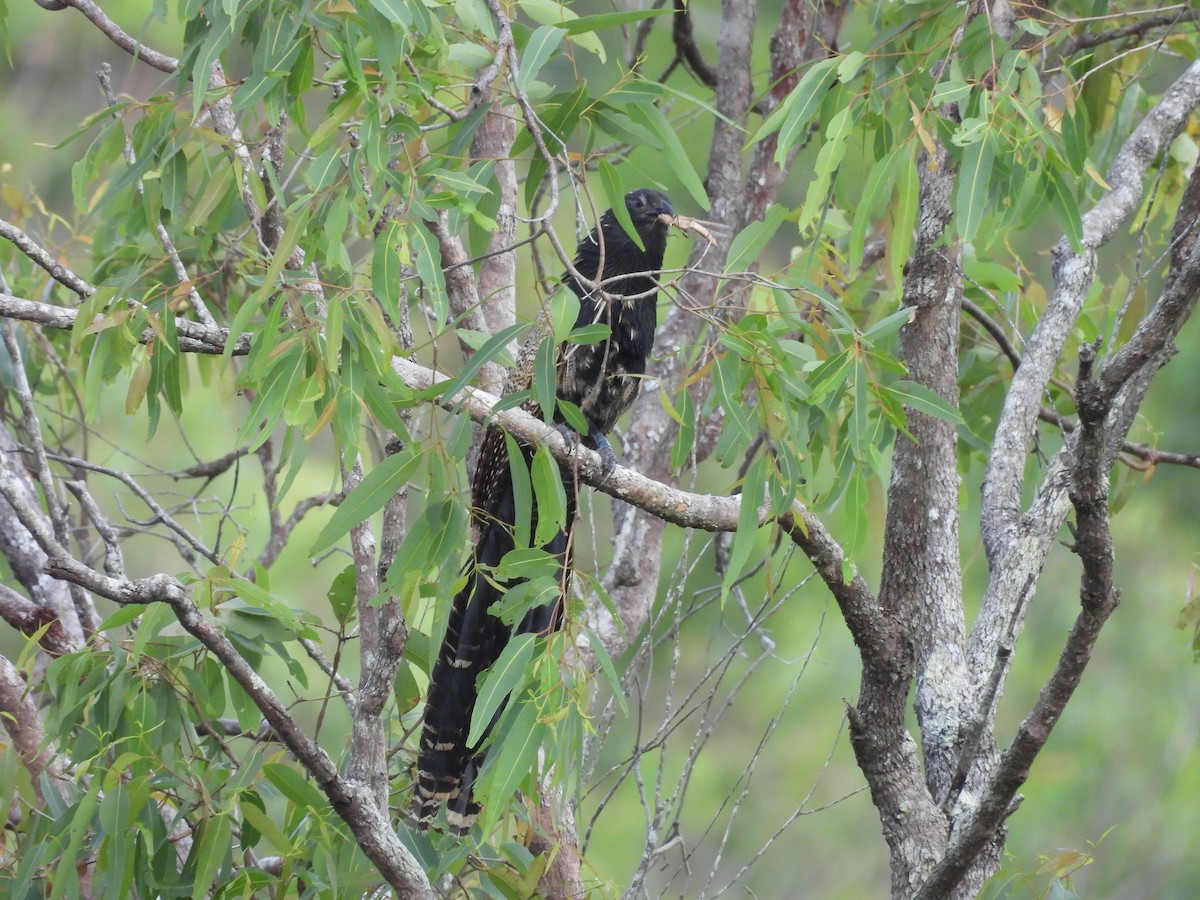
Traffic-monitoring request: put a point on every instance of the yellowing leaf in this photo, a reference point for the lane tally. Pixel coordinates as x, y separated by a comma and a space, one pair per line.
926, 138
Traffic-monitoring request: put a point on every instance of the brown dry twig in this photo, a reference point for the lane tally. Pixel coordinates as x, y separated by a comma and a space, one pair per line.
688, 225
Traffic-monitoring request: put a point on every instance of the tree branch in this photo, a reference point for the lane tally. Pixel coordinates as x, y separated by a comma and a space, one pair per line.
1150, 456
353, 800
921, 583
685, 46
1136, 29
463, 293
28, 618
1074, 272
25, 557
19, 713
383, 635
1098, 599
706, 512
42, 257
1019, 550
164, 236
56, 508
118, 36
193, 337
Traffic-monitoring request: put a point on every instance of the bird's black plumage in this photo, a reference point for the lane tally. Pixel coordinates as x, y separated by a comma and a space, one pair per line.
602, 379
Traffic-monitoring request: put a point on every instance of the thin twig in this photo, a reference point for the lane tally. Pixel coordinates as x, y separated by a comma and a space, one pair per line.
39, 255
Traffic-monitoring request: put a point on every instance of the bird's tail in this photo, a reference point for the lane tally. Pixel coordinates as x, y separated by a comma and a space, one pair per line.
446, 765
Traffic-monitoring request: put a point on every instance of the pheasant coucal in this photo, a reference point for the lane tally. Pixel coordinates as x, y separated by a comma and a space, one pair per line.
602, 379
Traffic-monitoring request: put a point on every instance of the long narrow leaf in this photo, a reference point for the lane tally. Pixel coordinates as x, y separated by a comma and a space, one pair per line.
377, 487
974, 177
509, 765
509, 673
550, 494
923, 400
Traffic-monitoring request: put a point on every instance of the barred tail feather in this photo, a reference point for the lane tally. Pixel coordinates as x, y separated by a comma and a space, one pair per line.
446, 765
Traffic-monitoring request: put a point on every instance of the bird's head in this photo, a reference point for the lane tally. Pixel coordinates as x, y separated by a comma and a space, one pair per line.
645, 205
650, 212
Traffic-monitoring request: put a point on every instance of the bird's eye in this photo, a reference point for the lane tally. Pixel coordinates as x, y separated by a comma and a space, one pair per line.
639, 202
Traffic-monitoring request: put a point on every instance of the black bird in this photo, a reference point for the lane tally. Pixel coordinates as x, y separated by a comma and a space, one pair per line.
602, 379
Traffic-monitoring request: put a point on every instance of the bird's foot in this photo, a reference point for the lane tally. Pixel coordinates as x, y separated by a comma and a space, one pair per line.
601, 445
569, 435
596, 440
